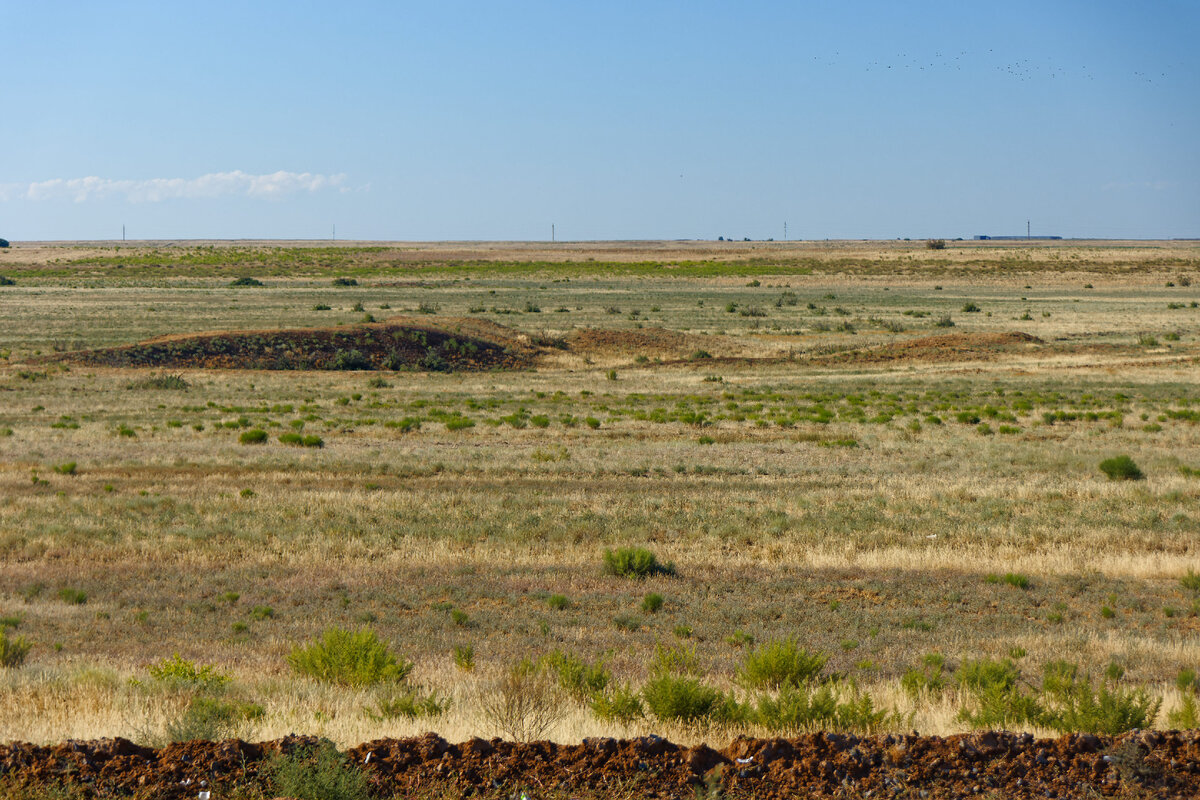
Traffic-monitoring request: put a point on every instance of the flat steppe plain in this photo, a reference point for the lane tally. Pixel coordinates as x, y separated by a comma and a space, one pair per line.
880, 450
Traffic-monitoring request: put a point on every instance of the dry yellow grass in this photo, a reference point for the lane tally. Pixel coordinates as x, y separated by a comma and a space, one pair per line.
869, 533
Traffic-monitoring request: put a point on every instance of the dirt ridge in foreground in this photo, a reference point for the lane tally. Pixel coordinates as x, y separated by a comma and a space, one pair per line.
819, 765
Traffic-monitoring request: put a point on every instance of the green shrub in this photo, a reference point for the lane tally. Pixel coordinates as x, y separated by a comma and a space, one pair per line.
349, 658
459, 423
929, 677
408, 704
1016, 579
312, 440
1187, 716
459, 617
558, 602
1190, 581
65, 469
970, 308
634, 562
291, 438
780, 663
464, 657
345, 282
350, 360
652, 602
261, 612
579, 679
179, 671
592, 422
319, 773
1121, 468
678, 698
74, 597
253, 436
621, 704
13, 650
246, 280
321, 307
997, 699
677, 660
211, 719
1072, 704
936, 244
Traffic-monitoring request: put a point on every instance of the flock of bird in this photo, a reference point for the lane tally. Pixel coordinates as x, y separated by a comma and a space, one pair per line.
1023, 69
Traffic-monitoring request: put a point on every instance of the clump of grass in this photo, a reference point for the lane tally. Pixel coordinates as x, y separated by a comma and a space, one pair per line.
635, 562
73, 597
652, 602
1190, 580
253, 436
410, 703
67, 468
163, 382
579, 679
211, 719
464, 657
262, 612
182, 672
1121, 468
13, 650
781, 663
349, 658
558, 602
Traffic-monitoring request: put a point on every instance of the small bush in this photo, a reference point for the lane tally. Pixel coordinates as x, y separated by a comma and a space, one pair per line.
1121, 468
780, 663
523, 703
321, 307
260, 613
592, 422
180, 671
635, 562
944, 322
558, 602
970, 308
345, 282
1187, 716
1190, 581
652, 602
459, 423
253, 436
579, 679
675, 698
312, 440
1016, 579
408, 704
67, 468
350, 360
621, 704
13, 650
246, 280
210, 719
319, 773
464, 657
929, 677
164, 382
349, 658
1073, 705
936, 244
74, 597
291, 438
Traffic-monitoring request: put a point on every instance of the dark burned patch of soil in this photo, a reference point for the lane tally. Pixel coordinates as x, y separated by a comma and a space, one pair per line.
946, 347
817, 765
392, 345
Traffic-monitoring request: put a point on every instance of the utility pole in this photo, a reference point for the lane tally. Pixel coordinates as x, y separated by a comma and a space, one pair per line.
122, 232
785, 230
1026, 229
552, 232
334, 238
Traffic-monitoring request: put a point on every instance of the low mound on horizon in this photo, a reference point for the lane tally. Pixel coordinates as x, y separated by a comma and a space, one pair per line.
445, 344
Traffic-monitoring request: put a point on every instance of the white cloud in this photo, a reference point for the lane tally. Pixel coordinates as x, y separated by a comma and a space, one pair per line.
154, 190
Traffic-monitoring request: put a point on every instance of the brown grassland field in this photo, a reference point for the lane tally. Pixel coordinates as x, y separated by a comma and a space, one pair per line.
877, 450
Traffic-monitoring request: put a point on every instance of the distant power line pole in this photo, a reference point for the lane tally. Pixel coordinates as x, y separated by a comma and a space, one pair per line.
552, 232
1026, 229
334, 237
122, 233
785, 230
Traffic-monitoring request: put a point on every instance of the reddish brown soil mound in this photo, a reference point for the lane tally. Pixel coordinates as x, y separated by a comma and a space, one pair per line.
388, 345
947, 347
819, 765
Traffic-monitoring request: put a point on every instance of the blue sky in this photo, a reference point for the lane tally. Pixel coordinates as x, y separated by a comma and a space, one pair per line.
617, 120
